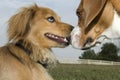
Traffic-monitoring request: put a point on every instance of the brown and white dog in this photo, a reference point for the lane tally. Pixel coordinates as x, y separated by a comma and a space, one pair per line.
96, 18
32, 33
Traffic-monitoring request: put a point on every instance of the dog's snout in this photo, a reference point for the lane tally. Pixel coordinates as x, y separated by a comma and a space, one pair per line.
88, 41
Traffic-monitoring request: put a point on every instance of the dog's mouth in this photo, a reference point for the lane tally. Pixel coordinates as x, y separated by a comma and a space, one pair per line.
58, 39
98, 41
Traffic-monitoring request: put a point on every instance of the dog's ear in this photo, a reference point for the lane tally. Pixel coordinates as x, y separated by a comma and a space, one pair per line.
19, 24
92, 9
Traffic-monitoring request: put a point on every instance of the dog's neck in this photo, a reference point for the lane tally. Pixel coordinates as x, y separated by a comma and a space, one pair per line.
41, 55
27, 51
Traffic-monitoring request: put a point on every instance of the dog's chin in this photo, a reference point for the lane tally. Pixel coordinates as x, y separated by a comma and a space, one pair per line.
60, 40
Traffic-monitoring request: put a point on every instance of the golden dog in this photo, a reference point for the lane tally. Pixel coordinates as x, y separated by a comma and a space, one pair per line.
32, 33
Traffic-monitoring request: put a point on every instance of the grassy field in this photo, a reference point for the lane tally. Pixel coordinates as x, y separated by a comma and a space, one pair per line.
85, 72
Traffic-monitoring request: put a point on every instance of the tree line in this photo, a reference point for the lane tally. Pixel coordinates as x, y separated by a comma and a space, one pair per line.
109, 52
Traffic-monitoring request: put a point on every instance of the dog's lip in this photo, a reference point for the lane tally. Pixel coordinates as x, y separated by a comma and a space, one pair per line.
59, 39
95, 43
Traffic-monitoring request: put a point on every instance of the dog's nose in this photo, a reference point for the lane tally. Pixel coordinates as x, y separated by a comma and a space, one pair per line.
89, 40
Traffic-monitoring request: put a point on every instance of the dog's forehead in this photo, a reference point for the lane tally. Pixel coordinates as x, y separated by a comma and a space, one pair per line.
47, 12
91, 9
87, 4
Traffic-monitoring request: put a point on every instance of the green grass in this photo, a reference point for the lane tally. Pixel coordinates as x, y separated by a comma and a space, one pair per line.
85, 72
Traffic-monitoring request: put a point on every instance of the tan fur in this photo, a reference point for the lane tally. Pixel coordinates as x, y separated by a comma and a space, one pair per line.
95, 17
116, 4
28, 28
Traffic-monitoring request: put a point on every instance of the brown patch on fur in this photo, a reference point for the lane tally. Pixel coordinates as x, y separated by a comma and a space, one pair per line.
116, 4
28, 43
100, 22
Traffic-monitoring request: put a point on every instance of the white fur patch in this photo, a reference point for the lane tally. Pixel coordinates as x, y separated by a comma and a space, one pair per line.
114, 30
75, 37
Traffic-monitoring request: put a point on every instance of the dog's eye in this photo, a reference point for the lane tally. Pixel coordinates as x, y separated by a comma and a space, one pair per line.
51, 19
79, 14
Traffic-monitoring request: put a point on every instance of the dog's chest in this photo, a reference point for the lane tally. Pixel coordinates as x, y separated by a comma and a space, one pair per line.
40, 73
